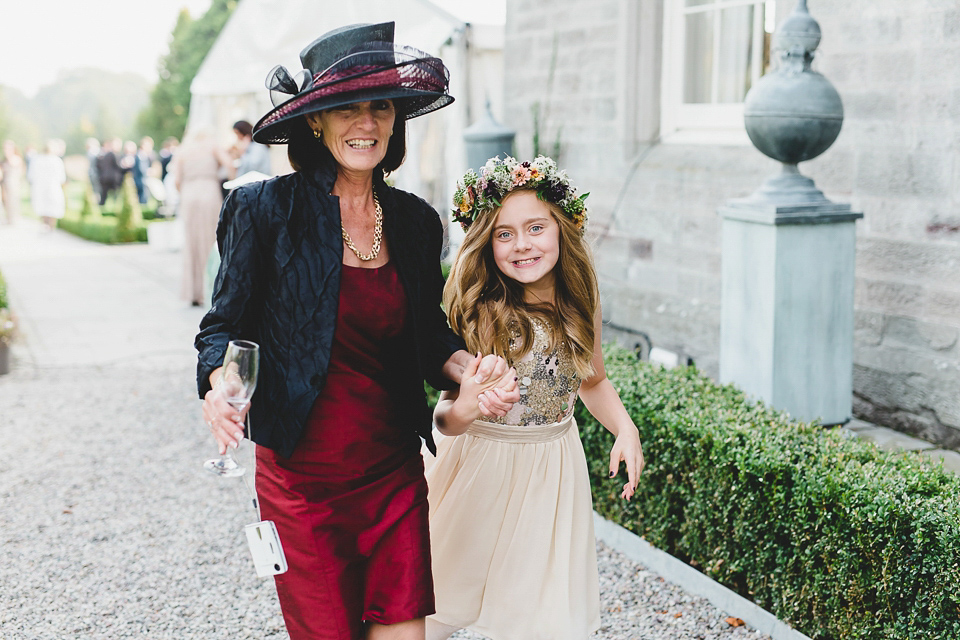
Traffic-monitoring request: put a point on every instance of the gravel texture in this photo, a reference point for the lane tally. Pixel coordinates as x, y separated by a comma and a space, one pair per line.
110, 528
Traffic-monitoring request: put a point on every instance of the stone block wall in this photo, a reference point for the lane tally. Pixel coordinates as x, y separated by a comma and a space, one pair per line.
892, 64
654, 225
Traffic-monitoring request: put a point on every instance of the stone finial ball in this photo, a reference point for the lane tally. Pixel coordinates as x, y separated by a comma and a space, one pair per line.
793, 117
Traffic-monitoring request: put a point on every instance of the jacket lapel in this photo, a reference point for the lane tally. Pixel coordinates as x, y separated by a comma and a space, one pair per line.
397, 227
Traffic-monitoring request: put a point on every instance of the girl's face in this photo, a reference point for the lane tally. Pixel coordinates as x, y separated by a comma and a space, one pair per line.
357, 134
526, 243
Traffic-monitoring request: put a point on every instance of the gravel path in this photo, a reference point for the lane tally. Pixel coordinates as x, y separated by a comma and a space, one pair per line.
109, 528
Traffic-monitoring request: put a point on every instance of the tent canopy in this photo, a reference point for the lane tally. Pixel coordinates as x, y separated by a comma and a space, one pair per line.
265, 33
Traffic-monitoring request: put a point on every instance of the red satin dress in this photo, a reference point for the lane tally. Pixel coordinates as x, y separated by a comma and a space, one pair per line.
350, 504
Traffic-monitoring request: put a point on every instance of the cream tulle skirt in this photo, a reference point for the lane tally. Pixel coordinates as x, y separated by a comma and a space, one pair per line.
511, 529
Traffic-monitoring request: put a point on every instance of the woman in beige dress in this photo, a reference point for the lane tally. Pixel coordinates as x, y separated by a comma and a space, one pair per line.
197, 166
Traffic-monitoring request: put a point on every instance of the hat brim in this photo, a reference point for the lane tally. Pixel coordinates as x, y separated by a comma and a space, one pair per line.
274, 127
417, 85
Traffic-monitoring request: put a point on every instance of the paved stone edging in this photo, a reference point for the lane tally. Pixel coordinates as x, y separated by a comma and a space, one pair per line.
692, 581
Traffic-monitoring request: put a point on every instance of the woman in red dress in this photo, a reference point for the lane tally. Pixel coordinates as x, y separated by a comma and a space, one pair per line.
337, 276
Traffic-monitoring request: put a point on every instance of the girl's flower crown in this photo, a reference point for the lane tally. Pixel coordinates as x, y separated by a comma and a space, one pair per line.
478, 194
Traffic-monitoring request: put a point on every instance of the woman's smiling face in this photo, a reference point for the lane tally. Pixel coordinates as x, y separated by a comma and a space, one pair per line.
357, 134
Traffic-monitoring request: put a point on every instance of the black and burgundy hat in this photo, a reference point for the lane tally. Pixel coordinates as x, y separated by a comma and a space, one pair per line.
353, 64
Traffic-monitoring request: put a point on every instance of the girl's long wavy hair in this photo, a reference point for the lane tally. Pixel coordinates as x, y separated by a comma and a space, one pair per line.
486, 308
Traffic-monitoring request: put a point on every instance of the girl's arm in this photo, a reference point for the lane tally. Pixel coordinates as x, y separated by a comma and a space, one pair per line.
603, 402
456, 409
450, 418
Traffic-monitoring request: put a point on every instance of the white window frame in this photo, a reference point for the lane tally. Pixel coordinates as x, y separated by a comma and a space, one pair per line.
703, 123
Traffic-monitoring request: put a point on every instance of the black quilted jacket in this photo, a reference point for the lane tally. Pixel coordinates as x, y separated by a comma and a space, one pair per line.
279, 285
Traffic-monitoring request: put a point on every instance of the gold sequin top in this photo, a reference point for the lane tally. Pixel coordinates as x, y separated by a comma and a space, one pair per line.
548, 384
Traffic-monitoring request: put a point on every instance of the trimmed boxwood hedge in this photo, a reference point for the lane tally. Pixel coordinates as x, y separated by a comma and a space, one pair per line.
828, 533
90, 223
105, 229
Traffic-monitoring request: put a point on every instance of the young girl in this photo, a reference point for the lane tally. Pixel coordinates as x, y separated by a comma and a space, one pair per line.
511, 519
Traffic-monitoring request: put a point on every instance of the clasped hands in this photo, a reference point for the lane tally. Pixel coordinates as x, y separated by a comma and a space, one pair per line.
488, 377
493, 382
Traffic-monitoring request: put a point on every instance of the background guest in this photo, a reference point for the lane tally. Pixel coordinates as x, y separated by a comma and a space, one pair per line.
167, 149
196, 170
143, 159
47, 177
252, 156
13, 169
108, 169
93, 152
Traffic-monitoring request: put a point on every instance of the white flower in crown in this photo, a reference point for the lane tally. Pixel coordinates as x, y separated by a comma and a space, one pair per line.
544, 164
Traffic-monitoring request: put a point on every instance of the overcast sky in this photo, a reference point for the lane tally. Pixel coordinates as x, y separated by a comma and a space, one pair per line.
39, 38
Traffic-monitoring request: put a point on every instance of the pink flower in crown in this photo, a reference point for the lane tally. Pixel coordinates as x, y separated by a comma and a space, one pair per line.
520, 176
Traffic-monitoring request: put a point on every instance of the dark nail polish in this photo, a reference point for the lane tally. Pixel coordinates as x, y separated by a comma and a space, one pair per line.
613, 473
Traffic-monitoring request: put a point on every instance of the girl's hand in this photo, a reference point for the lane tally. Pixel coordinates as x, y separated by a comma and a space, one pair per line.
225, 422
627, 449
498, 401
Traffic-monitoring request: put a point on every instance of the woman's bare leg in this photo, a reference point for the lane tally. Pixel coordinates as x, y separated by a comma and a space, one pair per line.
407, 630
438, 630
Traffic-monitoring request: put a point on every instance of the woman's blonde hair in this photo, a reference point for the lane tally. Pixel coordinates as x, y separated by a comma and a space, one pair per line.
487, 308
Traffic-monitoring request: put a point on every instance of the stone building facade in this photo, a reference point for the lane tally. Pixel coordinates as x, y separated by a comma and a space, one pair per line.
600, 79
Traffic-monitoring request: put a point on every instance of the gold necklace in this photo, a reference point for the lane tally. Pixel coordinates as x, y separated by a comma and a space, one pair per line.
377, 234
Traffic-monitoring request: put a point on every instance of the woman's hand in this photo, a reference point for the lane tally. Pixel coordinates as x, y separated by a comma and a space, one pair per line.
225, 422
627, 449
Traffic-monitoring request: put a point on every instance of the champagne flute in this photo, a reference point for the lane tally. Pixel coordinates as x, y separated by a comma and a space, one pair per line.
238, 379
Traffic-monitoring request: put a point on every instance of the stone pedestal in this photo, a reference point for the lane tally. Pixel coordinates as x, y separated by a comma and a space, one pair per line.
786, 332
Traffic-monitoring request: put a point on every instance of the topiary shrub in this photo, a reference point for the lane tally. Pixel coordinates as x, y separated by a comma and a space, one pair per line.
89, 208
129, 218
830, 534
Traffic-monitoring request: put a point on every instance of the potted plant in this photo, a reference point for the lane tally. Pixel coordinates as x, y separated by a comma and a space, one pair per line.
7, 327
